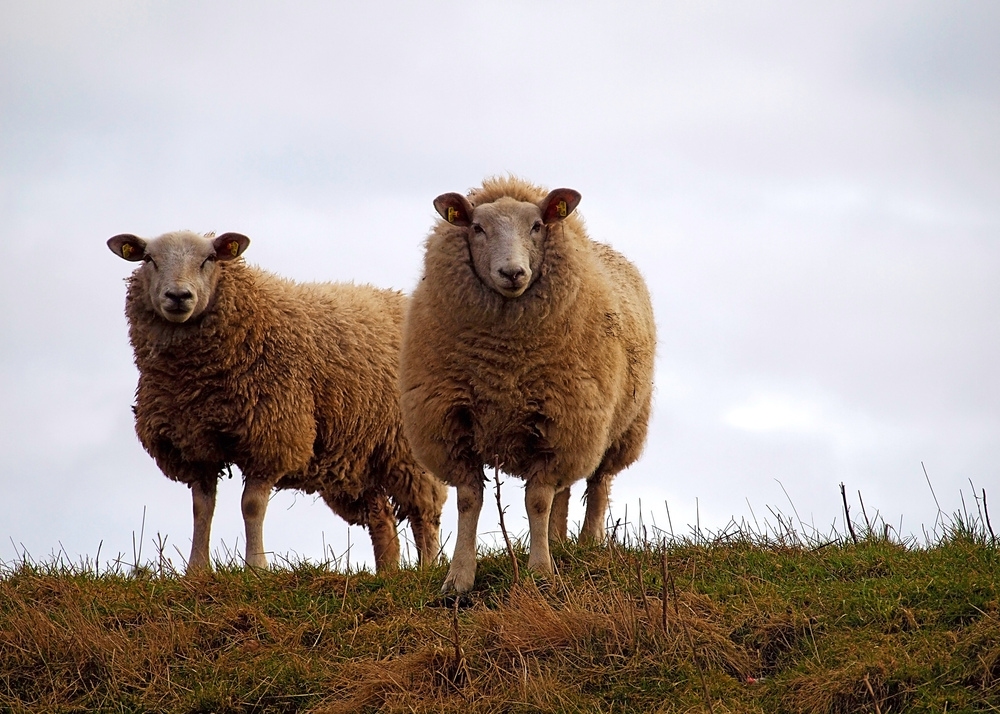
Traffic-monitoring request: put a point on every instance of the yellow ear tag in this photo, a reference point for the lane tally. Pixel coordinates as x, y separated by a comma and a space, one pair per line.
234, 248
561, 208
126, 250
452, 214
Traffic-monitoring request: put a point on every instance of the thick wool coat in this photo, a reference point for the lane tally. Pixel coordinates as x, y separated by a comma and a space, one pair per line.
295, 384
553, 385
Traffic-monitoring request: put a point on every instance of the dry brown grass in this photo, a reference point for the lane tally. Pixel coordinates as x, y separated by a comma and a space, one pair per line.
725, 626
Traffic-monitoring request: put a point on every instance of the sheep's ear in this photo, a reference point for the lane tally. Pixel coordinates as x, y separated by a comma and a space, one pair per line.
230, 245
128, 246
454, 208
559, 204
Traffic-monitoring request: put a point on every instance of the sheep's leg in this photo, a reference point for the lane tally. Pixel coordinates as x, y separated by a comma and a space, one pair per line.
598, 488
254, 503
419, 498
462, 573
425, 535
382, 529
538, 503
203, 499
559, 516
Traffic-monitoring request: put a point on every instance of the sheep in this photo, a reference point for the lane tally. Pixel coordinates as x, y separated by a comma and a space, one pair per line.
527, 347
294, 383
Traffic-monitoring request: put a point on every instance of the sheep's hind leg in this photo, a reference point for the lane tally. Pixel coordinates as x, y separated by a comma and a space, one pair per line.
419, 498
203, 499
624, 451
559, 516
598, 488
462, 573
425, 536
254, 504
382, 529
538, 503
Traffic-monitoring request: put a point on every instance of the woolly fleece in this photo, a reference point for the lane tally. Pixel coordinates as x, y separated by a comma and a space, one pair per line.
553, 386
296, 384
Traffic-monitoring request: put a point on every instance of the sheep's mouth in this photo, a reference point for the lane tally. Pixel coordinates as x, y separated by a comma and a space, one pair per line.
512, 292
511, 287
176, 312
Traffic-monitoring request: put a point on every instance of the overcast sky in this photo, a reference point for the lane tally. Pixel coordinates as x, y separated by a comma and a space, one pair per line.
811, 190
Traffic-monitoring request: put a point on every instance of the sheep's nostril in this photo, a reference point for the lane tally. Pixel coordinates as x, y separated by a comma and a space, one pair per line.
512, 274
179, 296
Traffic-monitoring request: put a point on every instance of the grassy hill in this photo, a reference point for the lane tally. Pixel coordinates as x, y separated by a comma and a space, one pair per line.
738, 622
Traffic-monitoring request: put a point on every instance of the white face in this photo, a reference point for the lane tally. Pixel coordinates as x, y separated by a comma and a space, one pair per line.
505, 238
181, 269
182, 272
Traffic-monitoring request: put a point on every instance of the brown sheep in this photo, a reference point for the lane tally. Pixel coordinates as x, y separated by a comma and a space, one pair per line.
530, 347
296, 384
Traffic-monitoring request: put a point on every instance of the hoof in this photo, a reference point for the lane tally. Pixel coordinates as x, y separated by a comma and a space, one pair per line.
545, 568
458, 582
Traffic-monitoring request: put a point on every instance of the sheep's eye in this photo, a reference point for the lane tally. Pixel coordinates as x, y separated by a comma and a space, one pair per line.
149, 259
209, 259
537, 226
477, 228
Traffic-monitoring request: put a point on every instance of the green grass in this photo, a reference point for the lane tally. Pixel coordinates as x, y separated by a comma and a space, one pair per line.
738, 622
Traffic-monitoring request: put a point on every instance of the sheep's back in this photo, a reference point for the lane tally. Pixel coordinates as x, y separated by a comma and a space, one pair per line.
355, 341
632, 321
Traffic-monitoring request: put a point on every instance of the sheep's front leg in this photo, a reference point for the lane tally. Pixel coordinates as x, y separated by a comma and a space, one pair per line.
538, 504
598, 487
203, 499
254, 503
462, 573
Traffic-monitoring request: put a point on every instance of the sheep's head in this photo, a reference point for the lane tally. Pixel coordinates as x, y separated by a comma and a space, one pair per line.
506, 236
181, 269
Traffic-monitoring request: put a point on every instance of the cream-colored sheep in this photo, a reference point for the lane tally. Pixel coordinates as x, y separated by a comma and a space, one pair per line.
528, 346
294, 383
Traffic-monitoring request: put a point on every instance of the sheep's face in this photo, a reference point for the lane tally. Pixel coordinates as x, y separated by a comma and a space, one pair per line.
506, 237
180, 269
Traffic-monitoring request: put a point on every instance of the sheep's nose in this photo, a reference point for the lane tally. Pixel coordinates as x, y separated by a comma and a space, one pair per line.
512, 274
179, 295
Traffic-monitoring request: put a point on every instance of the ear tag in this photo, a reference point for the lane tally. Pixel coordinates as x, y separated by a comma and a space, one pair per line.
561, 209
234, 248
452, 214
127, 250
